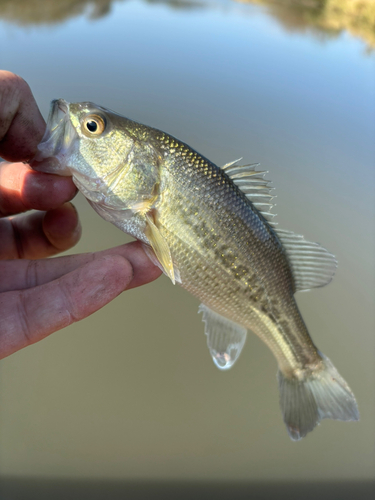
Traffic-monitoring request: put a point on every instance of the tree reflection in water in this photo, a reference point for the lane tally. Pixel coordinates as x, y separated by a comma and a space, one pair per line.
325, 18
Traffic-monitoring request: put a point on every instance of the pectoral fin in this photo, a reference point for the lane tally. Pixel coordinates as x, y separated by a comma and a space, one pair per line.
161, 248
225, 339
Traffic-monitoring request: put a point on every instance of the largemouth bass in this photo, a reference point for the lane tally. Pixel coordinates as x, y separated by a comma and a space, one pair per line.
210, 230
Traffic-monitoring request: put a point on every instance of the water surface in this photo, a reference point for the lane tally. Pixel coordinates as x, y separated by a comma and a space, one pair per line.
132, 393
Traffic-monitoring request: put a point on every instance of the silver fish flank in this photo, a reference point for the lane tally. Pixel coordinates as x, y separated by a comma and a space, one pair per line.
209, 229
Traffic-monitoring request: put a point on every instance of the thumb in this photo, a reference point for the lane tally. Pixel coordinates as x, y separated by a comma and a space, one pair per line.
21, 124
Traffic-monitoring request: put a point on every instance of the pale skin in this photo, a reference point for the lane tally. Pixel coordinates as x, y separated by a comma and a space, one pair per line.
39, 296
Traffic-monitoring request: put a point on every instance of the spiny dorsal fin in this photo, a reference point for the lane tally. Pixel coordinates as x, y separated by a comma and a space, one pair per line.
312, 265
252, 183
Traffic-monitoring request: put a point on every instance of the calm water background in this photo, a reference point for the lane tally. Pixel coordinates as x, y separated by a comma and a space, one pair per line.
131, 393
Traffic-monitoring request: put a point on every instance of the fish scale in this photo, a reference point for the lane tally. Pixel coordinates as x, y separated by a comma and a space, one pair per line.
254, 247
209, 229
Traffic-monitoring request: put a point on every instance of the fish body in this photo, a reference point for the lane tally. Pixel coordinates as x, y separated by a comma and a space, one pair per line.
208, 229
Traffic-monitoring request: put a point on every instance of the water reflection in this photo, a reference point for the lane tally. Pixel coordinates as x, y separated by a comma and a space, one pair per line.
329, 17
325, 18
24, 12
131, 392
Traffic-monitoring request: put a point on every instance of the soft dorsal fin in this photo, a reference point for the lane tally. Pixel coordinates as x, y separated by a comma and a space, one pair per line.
252, 183
225, 339
311, 264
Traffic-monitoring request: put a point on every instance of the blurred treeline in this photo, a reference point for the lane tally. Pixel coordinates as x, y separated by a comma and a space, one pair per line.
329, 17
51, 11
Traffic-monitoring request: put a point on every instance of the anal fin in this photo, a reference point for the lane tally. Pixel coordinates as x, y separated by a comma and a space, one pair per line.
225, 339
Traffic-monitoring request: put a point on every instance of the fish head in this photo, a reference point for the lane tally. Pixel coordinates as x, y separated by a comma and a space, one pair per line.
109, 157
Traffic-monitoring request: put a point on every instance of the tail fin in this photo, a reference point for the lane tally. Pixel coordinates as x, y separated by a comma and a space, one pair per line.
324, 394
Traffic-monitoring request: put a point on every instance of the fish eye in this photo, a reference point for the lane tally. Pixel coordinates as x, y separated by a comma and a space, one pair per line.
93, 125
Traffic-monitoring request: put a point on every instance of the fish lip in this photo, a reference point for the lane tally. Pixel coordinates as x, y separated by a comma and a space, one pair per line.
62, 105
58, 114
57, 142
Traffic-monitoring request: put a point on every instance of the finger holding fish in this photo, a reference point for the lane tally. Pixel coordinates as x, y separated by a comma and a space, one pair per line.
39, 297
24, 274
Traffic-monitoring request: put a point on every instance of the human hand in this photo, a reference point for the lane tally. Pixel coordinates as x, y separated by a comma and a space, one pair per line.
38, 297
55, 227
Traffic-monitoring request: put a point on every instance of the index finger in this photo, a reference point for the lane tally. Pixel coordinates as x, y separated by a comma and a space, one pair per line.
22, 188
24, 274
30, 315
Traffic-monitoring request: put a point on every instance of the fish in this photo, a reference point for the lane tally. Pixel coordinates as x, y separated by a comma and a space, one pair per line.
211, 230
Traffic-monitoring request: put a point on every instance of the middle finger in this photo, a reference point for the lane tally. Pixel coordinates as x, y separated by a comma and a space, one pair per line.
39, 234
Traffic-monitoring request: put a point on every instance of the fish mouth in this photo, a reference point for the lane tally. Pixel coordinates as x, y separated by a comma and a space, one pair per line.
58, 141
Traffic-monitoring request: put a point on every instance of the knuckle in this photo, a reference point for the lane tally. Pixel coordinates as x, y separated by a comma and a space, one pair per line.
69, 305
23, 319
17, 238
31, 274
13, 87
14, 83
